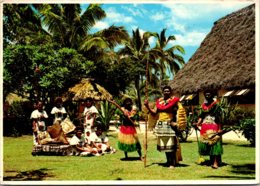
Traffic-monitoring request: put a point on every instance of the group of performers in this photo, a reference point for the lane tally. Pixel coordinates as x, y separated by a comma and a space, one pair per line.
166, 127
88, 139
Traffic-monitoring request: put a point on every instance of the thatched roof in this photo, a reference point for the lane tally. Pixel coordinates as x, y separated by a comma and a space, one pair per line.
225, 59
87, 88
12, 97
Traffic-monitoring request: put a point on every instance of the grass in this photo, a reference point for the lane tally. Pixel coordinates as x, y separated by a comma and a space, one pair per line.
19, 165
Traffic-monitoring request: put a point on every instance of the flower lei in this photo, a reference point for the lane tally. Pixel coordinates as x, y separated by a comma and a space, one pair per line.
207, 108
164, 105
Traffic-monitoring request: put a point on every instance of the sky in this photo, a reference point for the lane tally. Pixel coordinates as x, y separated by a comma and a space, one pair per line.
188, 22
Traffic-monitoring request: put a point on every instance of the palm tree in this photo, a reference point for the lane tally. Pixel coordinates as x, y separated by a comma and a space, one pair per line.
70, 27
137, 53
100, 45
67, 24
22, 25
168, 58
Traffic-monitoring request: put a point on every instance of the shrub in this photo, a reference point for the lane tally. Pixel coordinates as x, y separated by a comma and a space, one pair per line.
238, 119
247, 127
18, 120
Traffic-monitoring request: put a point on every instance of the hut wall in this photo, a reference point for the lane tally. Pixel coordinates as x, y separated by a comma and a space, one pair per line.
221, 92
247, 107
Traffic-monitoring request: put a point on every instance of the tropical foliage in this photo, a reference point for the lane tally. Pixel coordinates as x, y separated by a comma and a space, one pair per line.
169, 60
66, 32
61, 28
67, 24
142, 58
247, 127
21, 25
51, 47
35, 70
106, 113
136, 54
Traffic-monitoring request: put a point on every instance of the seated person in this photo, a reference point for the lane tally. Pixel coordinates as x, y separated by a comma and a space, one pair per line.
79, 142
96, 151
98, 140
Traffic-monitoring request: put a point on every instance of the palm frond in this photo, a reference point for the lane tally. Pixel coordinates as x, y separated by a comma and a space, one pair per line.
163, 38
90, 42
171, 38
176, 47
91, 15
114, 35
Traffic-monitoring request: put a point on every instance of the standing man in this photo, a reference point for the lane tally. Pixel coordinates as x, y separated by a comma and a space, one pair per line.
211, 129
166, 125
38, 118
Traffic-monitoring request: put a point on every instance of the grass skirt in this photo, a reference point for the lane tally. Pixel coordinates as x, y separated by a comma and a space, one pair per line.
128, 140
210, 143
206, 149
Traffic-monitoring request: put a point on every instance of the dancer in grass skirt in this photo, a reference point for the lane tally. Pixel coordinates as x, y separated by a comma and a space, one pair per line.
210, 140
127, 137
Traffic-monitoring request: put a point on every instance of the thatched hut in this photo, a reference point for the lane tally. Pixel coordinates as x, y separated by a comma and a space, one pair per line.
225, 60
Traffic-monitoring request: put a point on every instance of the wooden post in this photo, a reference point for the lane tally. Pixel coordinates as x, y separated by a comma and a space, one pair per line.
146, 119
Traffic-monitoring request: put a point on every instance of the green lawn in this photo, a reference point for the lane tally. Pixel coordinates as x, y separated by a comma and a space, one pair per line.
19, 165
